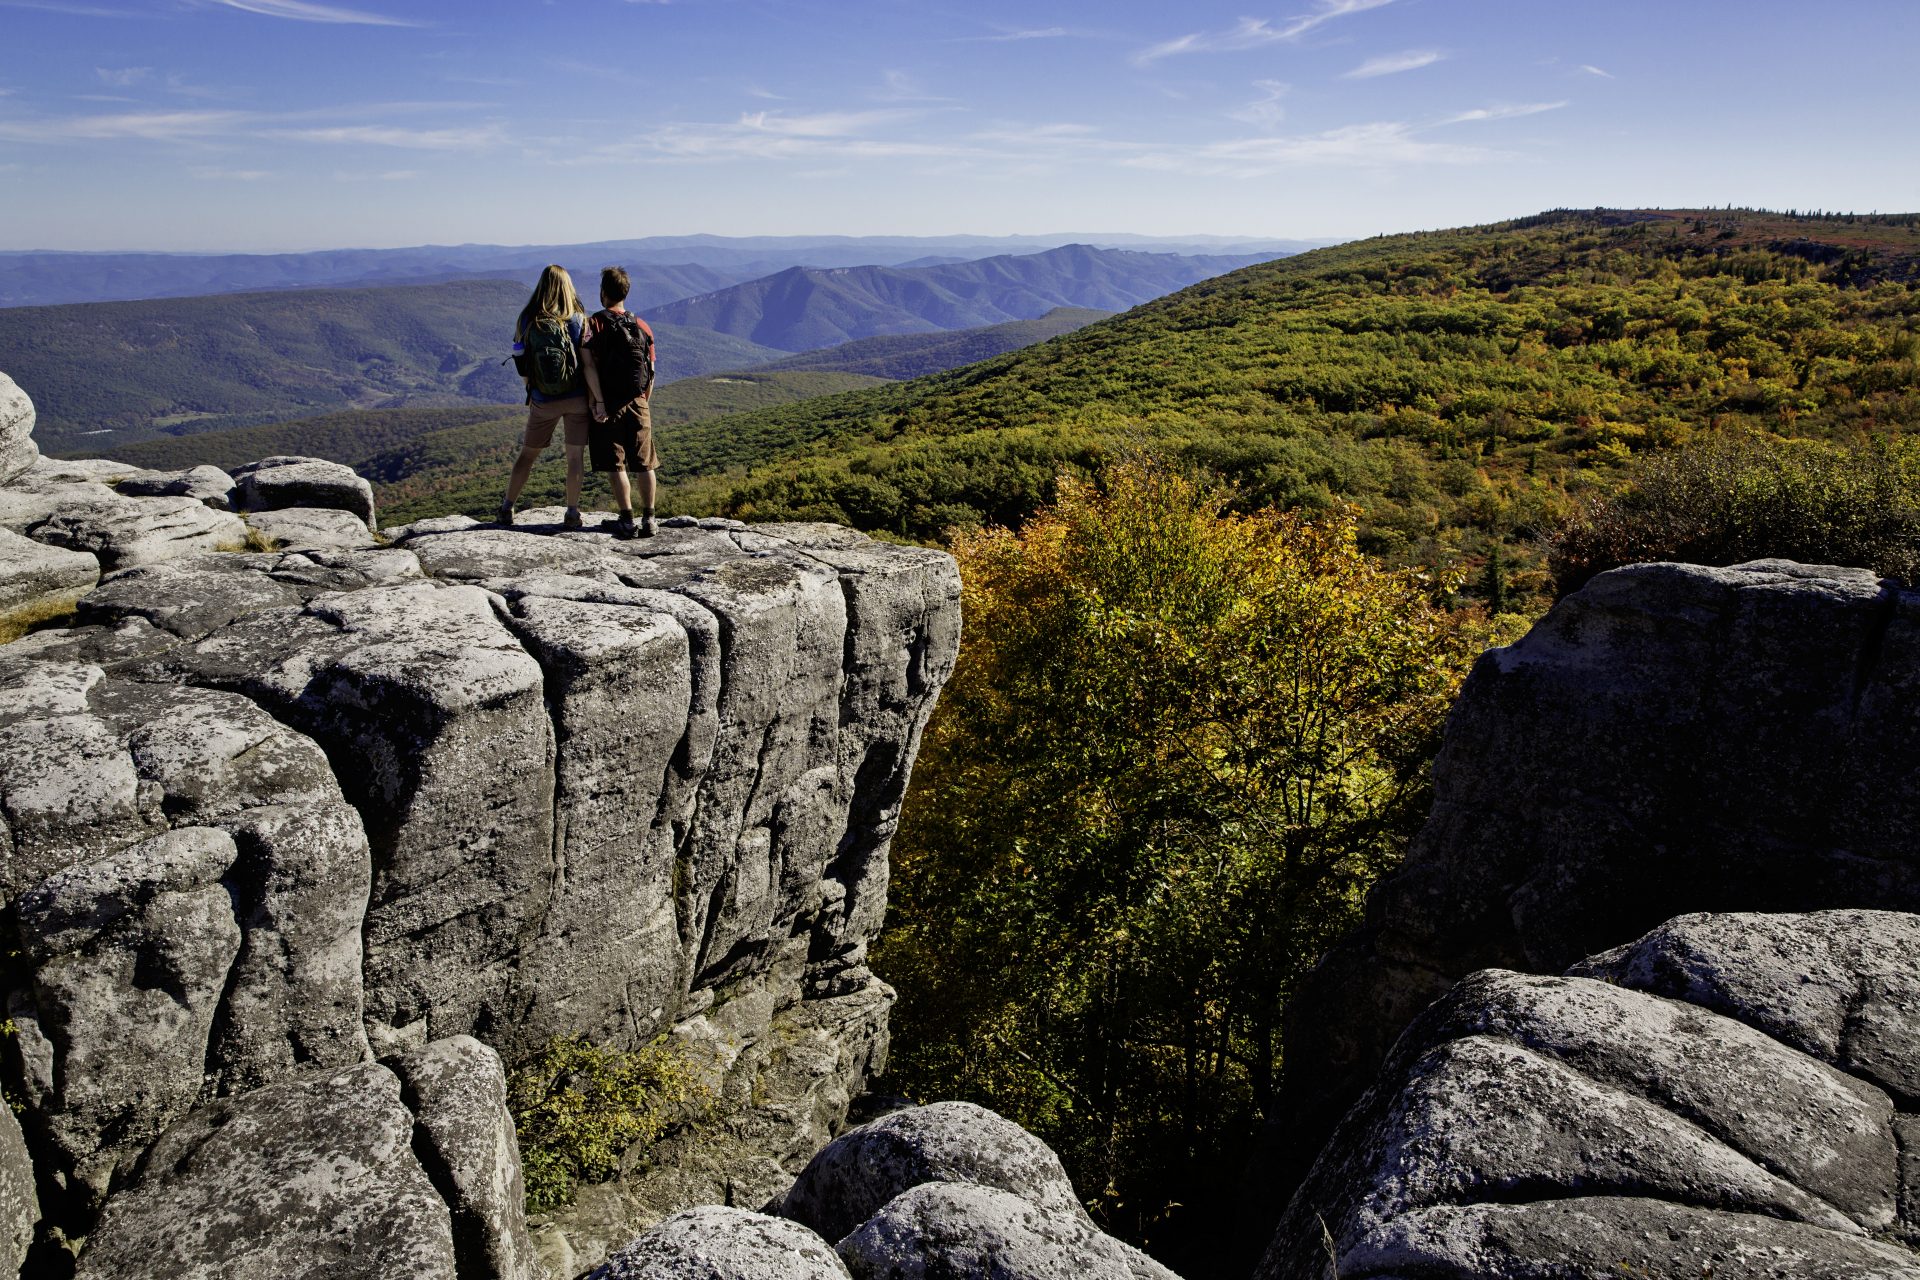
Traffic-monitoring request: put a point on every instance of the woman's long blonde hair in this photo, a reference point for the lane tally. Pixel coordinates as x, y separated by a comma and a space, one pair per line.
553, 298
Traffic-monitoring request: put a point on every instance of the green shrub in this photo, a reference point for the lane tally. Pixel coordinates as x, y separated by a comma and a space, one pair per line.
578, 1107
1726, 499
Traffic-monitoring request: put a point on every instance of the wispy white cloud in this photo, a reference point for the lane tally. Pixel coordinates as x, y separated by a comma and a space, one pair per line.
1264, 111
1382, 145
123, 77
898, 86
474, 138
1592, 70
215, 174
73, 10
302, 11
150, 126
824, 124
1254, 33
375, 175
1510, 111
1031, 33
1394, 63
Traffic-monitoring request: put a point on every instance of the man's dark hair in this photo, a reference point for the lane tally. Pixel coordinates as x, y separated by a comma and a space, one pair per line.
614, 284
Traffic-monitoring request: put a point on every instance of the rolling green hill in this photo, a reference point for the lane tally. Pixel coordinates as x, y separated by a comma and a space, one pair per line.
802, 309
914, 355
1460, 387
111, 373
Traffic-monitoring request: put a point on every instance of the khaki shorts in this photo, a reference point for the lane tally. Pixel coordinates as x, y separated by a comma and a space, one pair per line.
625, 439
541, 417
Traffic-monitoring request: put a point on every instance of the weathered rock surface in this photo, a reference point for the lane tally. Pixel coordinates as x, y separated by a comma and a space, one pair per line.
1710, 1096
267, 816
310, 527
464, 1137
1668, 739
274, 483
961, 1230
123, 532
19, 1200
205, 484
864, 1168
38, 582
313, 1178
717, 1243
17, 450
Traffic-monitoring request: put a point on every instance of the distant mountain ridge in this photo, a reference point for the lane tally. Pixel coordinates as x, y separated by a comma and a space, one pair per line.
674, 266
803, 308
109, 373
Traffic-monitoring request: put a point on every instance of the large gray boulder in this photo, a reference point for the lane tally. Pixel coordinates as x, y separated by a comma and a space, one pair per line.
17, 450
962, 1231
205, 484
313, 1178
716, 1243
122, 532
39, 583
1685, 1101
1668, 739
274, 483
309, 527
861, 1170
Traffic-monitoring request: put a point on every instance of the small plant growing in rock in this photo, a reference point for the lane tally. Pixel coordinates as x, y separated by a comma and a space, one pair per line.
579, 1107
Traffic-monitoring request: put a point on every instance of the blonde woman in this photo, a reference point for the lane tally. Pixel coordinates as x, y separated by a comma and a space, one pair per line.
549, 350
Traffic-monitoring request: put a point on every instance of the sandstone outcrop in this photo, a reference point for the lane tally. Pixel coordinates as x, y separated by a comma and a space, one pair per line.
1669, 739
305, 848
1728, 1096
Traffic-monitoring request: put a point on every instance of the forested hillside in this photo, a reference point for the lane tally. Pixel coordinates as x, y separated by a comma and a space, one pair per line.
1460, 387
914, 355
110, 373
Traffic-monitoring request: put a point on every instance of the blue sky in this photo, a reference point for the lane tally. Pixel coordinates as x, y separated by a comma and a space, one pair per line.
250, 125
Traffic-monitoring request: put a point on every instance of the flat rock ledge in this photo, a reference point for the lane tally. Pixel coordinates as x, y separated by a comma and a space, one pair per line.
306, 848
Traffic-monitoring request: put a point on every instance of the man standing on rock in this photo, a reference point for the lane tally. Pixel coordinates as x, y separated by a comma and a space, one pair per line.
620, 346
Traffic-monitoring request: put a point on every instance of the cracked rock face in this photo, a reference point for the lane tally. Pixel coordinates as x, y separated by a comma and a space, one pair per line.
1710, 1099
304, 849
717, 1243
1669, 739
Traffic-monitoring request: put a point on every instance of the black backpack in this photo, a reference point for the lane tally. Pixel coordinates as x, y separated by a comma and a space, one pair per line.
553, 360
629, 346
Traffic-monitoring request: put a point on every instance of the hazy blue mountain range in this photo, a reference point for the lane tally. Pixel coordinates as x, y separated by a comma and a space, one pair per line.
914, 355
803, 308
675, 266
106, 373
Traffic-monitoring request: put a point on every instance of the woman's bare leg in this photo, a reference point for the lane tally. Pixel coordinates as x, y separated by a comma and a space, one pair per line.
522, 468
576, 470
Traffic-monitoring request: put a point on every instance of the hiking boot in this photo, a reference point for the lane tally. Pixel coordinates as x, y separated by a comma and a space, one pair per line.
572, 520
504, 516
623, 527
646, 525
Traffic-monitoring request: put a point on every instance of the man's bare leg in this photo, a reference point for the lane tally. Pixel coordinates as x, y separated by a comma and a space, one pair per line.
622, 491
522, 468
646, 502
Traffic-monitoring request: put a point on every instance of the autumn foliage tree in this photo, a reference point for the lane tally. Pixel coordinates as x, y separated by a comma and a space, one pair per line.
1179, 746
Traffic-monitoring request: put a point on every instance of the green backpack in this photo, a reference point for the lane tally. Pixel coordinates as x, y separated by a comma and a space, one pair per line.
554, 361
